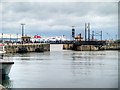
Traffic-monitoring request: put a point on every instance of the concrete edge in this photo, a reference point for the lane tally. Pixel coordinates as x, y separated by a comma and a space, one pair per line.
2, 87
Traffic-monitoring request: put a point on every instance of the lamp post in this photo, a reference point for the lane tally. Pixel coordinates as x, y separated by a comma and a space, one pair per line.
10, 38
2, 37
17, 38
22, 29
101, 35
85, 31
116, 37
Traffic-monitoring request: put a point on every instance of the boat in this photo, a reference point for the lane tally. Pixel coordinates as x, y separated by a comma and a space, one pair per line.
2, 50
5, 65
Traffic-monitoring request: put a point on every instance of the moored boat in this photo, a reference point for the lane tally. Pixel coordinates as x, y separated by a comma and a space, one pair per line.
2, 50
5, 65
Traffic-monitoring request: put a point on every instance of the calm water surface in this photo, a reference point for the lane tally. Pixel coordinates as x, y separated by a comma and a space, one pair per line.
64, 69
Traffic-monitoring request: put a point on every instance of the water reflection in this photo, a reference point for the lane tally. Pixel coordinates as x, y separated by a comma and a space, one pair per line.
85, 63
78, 66
32, 56
24, 56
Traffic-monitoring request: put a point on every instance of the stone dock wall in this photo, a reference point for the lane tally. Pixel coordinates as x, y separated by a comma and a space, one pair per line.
13, 48
86, 48
67, 46
90, 47
79, 48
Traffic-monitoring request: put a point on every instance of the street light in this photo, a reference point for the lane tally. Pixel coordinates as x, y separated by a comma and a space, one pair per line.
17, 37
22, 29
2, 37
10, 37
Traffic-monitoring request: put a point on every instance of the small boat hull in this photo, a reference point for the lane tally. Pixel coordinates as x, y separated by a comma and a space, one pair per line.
5, 67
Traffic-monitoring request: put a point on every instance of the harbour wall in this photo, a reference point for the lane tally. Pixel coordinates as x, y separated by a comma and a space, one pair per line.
80, 48
31, 47
67, 46
90, 47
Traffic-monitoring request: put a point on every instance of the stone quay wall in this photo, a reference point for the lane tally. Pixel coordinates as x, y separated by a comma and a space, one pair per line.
31, 47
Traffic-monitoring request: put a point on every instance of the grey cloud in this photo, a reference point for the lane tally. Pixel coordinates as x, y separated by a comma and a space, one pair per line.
53, 15
45, 11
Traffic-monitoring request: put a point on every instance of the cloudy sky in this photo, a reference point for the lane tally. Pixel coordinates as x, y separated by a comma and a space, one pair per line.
57, 18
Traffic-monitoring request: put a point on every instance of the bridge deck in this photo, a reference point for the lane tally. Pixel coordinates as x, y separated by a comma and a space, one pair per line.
96, 43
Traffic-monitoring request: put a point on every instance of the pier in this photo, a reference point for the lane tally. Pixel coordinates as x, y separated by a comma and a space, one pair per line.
26, 45
80, 47
30, 47
91, 46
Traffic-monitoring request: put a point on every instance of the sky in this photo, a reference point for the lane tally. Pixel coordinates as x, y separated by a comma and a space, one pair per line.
57, 18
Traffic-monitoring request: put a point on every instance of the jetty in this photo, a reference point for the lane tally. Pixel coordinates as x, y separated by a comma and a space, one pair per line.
6, 67
25, 45
28, 47
91, 46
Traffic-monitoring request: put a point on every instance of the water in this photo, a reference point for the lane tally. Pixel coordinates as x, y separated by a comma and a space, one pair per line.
64, 69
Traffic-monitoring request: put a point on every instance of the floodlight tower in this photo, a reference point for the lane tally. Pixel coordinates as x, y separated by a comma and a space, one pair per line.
73, 32
85, 32
88, 31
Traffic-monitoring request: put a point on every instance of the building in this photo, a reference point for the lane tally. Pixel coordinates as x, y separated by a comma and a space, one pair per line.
26, 39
